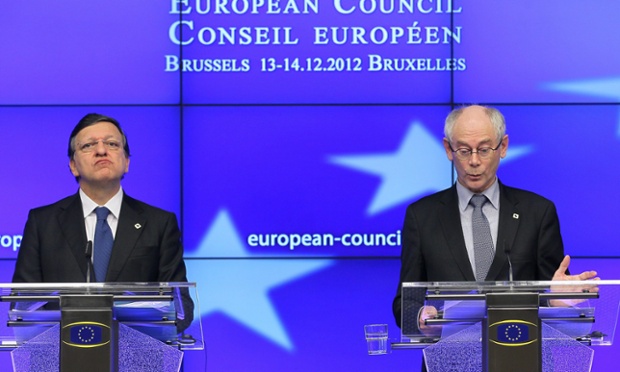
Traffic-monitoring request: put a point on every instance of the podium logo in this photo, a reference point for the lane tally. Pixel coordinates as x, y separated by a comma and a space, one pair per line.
512, 333
86, 334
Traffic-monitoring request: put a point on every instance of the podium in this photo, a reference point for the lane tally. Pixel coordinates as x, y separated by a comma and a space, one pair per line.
100, 326
509, 326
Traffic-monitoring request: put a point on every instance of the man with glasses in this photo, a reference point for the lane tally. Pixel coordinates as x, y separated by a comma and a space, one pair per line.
133, 241
463, 233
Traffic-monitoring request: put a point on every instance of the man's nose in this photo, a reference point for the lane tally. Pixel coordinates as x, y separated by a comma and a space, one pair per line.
100, 148
474, 159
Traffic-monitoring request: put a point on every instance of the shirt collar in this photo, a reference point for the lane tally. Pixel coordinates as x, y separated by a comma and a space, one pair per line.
114, 204
492, 193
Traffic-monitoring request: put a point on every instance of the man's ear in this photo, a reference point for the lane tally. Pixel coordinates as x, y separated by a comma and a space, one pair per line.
73, 169
504, 146
446, 146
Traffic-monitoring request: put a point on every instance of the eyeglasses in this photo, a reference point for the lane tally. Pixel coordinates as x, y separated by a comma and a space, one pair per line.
483, 152
111, 145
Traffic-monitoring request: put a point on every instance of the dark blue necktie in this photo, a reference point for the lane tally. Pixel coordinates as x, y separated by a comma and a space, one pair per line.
483, 242
103, 243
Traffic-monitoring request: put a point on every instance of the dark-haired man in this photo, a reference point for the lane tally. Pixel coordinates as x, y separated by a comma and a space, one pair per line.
143, 242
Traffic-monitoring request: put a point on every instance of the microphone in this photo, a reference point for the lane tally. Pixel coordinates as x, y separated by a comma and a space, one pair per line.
507, 252
89, 262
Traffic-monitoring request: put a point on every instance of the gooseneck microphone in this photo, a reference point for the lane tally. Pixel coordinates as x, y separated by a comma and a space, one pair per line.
507, 252
89, 262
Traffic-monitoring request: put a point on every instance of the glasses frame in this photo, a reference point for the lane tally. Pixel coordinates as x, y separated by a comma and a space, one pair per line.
458, 152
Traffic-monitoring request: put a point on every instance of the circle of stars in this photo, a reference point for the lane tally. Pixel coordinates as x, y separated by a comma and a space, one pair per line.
513, 332
86, 334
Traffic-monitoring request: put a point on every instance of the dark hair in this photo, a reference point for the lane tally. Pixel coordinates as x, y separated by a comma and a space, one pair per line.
92, 119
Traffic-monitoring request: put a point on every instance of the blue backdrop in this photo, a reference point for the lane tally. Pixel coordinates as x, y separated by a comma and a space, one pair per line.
289, 137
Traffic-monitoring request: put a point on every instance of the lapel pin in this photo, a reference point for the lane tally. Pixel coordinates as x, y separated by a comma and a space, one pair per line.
137, 226
515, 216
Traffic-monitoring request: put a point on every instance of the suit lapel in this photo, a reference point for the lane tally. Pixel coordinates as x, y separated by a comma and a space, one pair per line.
131, 223
71, 223
507, 232
450, 218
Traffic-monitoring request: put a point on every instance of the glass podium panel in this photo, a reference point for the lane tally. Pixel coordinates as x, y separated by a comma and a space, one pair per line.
136, 352
584, 310
149, 325
462, 352
492, 326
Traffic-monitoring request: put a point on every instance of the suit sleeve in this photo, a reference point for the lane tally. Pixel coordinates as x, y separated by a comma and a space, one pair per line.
171, 264
550, 245
28, 265
172, 269
412, 267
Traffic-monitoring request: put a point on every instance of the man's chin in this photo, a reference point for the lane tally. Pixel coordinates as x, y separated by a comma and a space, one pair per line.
102, 179
476, 186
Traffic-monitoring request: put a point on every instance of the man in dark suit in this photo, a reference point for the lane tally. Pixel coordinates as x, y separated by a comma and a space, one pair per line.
146, 243
438, 237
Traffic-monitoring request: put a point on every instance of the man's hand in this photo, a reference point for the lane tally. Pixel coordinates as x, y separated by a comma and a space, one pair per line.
428, 312
560, 274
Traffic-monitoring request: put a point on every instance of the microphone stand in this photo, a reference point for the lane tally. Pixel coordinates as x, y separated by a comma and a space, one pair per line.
89, 262
507, 252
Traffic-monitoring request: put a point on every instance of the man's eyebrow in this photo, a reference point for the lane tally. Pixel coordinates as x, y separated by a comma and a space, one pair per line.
484, 142
90, 139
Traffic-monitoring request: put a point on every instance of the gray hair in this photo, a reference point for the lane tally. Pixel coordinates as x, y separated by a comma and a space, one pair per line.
497, 120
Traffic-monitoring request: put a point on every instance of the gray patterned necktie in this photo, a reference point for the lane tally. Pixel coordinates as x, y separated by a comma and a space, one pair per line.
483, 242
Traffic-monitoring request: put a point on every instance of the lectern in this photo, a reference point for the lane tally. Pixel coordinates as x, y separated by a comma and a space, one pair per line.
100, 326
509, 326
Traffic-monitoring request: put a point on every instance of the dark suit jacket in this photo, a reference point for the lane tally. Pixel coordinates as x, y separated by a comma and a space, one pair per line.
433, 248
147, 245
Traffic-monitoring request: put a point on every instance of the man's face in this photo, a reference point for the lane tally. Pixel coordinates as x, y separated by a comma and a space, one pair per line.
99, 159
473, 130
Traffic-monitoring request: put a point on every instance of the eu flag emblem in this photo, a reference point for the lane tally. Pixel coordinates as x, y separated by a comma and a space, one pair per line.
513, 333
88, 334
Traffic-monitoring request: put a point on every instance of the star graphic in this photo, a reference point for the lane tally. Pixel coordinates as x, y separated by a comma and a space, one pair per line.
418, 166
240, 288
606, 88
